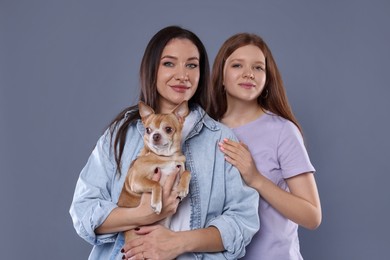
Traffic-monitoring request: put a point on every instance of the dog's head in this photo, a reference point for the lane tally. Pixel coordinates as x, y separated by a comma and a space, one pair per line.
163, 131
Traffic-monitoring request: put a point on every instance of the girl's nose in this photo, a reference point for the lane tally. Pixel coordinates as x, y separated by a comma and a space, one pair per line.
249, 74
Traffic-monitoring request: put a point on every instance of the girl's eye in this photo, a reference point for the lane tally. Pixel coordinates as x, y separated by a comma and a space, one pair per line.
259, 68
236, 65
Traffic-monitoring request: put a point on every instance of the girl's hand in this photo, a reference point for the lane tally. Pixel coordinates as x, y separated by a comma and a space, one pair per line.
301, 204
154, 242
238, 154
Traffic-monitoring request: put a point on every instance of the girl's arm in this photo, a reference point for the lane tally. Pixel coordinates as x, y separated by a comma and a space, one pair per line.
301, 204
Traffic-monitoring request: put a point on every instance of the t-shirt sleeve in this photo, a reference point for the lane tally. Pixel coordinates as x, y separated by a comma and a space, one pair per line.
292, 153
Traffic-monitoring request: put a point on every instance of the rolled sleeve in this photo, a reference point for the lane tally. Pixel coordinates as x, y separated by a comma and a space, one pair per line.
239, 221
92, 201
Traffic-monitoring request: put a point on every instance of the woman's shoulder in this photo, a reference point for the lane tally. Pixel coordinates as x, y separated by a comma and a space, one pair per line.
212, 125
222, 130
111, 132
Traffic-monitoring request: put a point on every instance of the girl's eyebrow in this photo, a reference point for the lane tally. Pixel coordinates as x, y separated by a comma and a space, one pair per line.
236, 60
241, 60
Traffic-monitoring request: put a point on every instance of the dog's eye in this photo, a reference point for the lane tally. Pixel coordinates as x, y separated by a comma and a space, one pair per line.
168, 129
148, 130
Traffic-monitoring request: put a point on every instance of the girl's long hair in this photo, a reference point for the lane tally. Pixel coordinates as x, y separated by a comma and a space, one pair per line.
273, 97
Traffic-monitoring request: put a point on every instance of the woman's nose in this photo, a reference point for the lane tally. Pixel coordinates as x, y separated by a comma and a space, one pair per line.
182, 75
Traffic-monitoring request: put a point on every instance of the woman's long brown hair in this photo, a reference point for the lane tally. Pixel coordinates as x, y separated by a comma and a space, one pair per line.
148, 78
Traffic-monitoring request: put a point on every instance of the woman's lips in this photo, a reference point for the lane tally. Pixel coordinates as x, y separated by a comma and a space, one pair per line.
180, 88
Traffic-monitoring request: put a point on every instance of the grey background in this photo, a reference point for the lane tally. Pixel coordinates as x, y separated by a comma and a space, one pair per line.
68, 67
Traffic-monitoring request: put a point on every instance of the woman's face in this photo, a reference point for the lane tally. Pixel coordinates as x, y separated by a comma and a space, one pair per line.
244, 74
178, 73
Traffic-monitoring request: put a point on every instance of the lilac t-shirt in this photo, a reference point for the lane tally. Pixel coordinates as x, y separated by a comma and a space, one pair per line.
278, 150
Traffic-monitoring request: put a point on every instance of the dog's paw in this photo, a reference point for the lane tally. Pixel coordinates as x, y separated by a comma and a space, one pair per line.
157, 207
182, 193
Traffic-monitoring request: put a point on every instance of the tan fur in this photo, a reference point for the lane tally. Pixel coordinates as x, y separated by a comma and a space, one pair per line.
161, 151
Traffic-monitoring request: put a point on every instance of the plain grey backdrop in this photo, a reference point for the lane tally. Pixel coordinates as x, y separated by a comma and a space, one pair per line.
68, 67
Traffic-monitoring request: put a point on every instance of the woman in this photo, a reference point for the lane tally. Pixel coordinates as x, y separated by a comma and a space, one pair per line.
250, 98
217, 218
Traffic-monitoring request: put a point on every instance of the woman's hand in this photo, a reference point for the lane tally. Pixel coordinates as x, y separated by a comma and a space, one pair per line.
169, 200
121, 219
238, 154
154, 242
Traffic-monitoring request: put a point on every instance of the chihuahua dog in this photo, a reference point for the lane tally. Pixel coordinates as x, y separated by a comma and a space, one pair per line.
161, 152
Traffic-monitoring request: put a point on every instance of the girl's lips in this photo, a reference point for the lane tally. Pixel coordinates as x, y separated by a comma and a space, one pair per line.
247, 85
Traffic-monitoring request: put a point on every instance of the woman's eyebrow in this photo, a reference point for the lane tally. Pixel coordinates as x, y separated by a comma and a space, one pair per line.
169, 57
193, 58
175, 58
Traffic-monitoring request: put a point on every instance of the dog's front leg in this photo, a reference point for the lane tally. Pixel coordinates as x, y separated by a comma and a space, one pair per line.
142, 185
184, 184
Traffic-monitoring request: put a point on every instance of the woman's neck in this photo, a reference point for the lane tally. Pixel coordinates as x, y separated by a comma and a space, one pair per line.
241, 113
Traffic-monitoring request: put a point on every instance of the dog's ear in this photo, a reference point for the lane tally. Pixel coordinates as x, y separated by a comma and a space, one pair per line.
144, 110
181, 111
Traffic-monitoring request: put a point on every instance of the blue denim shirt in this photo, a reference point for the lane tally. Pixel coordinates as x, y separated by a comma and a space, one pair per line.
218, 195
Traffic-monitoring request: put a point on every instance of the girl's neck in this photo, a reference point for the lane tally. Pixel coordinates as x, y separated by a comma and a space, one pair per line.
241, 113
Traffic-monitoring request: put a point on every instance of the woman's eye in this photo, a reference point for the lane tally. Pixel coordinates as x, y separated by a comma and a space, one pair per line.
192, 66
168, 64
236, 65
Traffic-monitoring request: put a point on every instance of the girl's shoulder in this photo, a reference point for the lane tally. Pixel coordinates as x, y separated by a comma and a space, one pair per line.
280, 122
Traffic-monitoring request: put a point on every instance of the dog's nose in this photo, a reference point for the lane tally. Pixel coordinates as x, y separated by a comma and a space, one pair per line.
156, 137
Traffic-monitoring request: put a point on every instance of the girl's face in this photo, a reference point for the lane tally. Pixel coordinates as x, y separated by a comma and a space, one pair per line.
244, 74
178, 73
